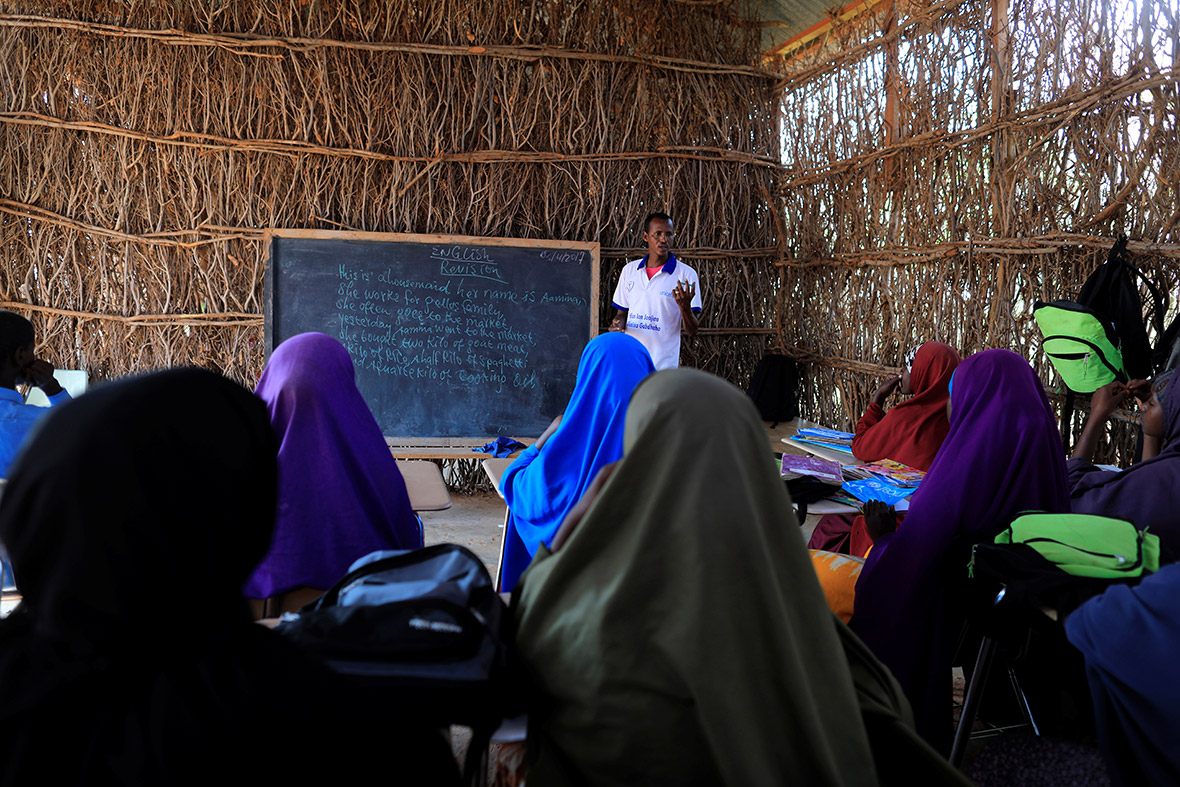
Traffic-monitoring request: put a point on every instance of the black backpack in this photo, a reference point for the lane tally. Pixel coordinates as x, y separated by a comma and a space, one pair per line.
423, 627
773, 388
1111, 291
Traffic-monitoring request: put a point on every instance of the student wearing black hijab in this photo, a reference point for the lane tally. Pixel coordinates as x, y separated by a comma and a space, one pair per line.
133, 517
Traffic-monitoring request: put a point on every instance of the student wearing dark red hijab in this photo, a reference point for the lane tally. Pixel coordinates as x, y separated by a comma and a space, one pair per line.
912, 431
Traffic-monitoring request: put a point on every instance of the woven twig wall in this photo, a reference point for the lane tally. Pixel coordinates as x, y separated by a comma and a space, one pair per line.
145, 146
950, 163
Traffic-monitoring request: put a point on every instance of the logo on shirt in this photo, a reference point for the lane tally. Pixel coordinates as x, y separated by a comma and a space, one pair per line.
630, 286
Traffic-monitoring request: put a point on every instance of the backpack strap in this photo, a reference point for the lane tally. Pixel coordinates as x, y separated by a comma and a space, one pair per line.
1159, 297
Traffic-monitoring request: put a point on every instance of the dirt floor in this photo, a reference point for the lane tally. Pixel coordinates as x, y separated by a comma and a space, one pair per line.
475, 521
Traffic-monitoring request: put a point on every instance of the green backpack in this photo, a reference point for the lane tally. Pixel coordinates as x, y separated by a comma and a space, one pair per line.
1086, 545
1082, 346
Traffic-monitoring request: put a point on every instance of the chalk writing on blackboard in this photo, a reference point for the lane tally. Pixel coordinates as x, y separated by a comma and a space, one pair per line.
450, 336
452, 333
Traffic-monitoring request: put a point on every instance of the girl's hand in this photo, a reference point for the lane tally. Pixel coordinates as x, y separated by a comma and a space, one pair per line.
879, 519
1107, 399
884, 389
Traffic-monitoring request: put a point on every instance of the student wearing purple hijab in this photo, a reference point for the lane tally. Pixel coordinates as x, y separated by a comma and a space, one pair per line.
341, 495
1147, 494
1002, 455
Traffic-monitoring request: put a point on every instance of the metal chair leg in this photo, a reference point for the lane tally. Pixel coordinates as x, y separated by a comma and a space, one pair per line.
983, 663
1024, 706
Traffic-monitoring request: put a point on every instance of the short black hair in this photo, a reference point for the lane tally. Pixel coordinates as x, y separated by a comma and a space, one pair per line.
652, 217
15, 332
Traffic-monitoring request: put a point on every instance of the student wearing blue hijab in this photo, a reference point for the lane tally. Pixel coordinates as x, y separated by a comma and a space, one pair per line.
551, 475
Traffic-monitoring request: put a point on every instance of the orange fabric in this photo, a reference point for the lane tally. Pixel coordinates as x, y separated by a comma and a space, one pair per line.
837, 576
911, 432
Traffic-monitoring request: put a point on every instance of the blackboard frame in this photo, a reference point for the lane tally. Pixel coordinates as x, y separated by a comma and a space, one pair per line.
463, 443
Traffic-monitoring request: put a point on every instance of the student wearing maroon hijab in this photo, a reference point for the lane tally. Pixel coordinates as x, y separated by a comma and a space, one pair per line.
913, 430
910, 433
1002, 455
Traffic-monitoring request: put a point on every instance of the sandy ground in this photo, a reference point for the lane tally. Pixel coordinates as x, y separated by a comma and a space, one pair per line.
475, 521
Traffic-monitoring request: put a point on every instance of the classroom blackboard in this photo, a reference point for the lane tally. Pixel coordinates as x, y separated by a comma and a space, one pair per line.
452, 337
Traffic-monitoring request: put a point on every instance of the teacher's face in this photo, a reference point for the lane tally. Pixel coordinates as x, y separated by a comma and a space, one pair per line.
658, 237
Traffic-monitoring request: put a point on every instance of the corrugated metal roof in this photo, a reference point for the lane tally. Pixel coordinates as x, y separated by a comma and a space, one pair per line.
791, 23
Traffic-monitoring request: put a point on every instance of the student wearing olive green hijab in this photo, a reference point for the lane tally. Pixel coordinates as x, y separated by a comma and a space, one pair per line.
677, 634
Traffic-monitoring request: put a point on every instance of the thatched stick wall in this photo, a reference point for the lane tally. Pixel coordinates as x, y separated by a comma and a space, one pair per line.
145, 146
949, 163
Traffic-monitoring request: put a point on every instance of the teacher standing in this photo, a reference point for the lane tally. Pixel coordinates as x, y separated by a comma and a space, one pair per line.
657, 296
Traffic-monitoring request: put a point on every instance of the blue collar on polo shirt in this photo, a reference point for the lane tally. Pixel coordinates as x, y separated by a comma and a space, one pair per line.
669, 266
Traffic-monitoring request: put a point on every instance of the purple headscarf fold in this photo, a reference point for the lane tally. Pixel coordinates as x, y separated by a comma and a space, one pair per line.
341, 495
1001, 456
1146, 494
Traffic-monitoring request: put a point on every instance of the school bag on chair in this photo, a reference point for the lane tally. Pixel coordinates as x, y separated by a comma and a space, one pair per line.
426, 630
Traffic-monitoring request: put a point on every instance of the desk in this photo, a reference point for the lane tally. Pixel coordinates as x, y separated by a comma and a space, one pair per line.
494, 468
425, 485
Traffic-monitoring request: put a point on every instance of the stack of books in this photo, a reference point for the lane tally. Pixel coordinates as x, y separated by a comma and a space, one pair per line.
828, 438
882, 480
895, 473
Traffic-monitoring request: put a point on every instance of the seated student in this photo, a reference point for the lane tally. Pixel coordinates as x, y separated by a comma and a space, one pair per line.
549, 476
133, 517
1129, 637
1148, 493
341, 495
913, 430
910, 433
1001, 456
19, 364
674, 632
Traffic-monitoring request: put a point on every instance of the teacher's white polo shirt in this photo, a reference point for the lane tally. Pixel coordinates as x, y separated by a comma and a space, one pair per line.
652, 314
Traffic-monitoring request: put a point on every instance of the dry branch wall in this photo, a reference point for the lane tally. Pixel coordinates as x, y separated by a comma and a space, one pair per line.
145, 146
947, 164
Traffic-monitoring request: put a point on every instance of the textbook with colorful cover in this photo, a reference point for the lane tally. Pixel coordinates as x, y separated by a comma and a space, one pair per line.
827, 435
876, 489
895, 473
794, 466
